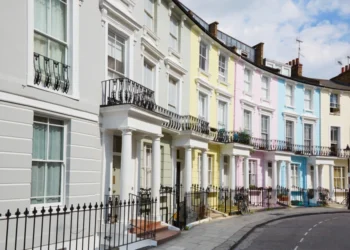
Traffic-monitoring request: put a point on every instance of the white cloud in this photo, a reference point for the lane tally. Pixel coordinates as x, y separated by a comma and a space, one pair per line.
278, 23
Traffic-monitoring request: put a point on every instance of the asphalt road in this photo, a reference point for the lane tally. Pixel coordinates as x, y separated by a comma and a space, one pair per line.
327, 231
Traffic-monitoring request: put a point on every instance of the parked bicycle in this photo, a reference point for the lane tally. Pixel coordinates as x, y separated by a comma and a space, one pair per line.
242, 203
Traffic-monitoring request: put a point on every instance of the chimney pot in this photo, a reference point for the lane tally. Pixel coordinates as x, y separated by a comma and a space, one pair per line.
346, 68
297, 61
293, 62
342, 70
290, 63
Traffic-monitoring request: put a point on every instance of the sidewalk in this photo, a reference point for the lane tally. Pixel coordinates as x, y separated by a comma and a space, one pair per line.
224, 233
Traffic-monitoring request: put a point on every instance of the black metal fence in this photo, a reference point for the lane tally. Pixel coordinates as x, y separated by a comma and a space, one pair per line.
89, 226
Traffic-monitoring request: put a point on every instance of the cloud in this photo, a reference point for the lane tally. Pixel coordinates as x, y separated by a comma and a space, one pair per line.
322, 25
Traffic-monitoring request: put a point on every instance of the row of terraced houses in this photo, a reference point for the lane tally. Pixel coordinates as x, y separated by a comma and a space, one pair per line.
112, 97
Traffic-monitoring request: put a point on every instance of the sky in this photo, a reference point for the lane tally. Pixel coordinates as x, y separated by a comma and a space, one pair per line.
322, 25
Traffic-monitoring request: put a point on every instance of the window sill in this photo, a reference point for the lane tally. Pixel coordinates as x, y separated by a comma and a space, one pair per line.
77, 98
223, 82
265, 100
290, 107
337, 114
308, 110
247, 94
151, 34
204, 72
174, 53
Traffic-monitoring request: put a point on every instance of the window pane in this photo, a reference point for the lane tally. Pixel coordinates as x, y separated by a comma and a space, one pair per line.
57, 52
58, 19
148, 75
40, 44
39, 141
56, 143
116, 52
172, 93
38, 182
53, 183
41, 8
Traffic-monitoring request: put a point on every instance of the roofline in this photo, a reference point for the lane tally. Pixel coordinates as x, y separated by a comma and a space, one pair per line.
179, 5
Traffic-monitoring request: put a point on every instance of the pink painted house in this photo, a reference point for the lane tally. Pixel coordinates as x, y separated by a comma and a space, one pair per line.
255, 113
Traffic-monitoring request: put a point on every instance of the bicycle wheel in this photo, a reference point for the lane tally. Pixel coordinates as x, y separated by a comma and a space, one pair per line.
244, 208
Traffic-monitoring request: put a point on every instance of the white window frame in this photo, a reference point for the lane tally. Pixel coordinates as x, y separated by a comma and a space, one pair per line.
332, 142
293, 131
311, 140
334, 104
341, 178
205, 116
223, 66
210, 170
154, 66
73, 10
253, 172
175, 36
225, 108
294, 174
63, 161
267, 88
176, 105
249, 81
246, 111
291, 105
126, 50
206, 57
151, 15
268, 129
310, 108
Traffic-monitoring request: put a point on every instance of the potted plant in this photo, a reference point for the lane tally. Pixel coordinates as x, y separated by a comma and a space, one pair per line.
243, 137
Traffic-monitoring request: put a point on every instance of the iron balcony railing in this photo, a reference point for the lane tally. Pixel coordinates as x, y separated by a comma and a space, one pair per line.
245, 138
50, 73
121, 91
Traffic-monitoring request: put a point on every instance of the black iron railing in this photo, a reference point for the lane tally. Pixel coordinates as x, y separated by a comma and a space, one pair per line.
121, 91
90, 226
50, 73
175, 120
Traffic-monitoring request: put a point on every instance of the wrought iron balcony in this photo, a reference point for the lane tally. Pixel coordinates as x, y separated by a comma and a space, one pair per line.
50, 73
121, 91
175, 120
241, 137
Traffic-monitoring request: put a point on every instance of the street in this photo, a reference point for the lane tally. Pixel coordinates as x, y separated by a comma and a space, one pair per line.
327, 231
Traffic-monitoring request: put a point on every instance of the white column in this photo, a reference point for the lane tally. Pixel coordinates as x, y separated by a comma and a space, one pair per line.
107, 184
188, 169
156, 171
279, 173
204, 170
233, 172
126, 165
246, 172
274, 174
331, 181
174, 162
221, 183
139, 165
315, 182
320, 175
288, 181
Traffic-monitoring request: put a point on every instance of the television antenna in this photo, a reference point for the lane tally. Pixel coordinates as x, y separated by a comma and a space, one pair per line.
299, 49
348, 59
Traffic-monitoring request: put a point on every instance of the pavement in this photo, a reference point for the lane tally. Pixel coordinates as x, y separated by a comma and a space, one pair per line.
229, 232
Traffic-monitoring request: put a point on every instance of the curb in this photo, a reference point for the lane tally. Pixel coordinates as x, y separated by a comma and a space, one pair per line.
245, 231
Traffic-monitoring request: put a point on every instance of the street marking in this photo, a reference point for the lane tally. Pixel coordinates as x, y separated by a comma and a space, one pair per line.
306, 233
315, 225
296, 248
326, 220
320, 222
301, 240
310, 229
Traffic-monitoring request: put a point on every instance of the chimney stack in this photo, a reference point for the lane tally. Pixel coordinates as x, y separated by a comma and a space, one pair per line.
259, 54
344, 76
213, 28
297, 68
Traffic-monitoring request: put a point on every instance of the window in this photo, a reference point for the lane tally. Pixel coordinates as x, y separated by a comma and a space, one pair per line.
149, 14
226, 179
202, 106
116, 55
210, 170
247, 121
289, 95
334, 139
222, 115
222, 68
148, 75
334, 103
265, 127
308, 136
308, 99
172, 95
199, 170
339, 177
174, 34
265, 88
289, 133
294, 175
47, 161
252, 173
203, 56
247, 81
50, 29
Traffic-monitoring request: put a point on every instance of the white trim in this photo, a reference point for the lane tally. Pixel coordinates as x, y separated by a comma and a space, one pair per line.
248, 104
293, 95
146, 46
223, 95
16, 99
288, 118
204, 86
313, 127
174, 66
311, 99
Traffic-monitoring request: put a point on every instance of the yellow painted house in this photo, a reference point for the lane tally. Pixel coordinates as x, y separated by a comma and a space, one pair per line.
211, 99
